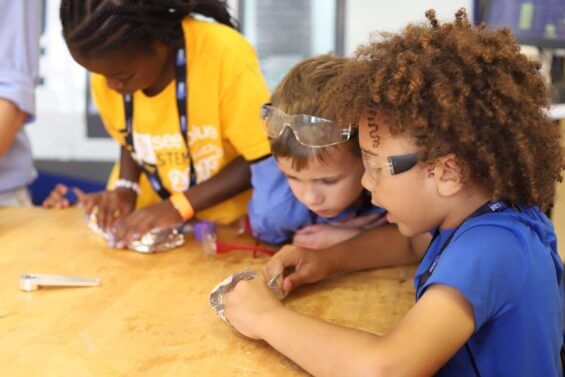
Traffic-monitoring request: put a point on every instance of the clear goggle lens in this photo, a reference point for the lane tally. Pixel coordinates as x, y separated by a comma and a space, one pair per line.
310, 131
375, 165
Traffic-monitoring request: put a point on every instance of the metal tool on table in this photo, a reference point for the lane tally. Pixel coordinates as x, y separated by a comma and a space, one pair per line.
31, 282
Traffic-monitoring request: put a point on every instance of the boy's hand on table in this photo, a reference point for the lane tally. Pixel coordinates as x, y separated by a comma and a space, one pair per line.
322, 236
306, 266
134, 225
247, 304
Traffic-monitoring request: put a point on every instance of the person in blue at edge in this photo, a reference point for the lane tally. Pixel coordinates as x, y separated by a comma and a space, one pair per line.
19, 59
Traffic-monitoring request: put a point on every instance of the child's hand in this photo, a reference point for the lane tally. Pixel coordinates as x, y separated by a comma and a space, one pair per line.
112, 206
307, 266
56, 198
321, 236
247, 304
137, 223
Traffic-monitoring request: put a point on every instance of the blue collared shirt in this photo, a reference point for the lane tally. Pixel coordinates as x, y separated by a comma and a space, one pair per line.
20, 22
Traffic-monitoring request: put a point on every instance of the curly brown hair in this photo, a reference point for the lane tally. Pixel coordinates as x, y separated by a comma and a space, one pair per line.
301, 92
456, 88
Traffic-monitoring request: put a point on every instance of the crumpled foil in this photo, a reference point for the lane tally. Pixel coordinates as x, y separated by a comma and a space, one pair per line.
157, 240
217, 294
154, 241
219, 291
276, 286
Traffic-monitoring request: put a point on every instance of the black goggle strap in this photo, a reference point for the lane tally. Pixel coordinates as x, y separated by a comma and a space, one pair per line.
401, 163
349, 132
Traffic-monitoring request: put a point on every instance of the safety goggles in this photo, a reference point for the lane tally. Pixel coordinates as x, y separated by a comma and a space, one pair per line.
375, 165
309, 130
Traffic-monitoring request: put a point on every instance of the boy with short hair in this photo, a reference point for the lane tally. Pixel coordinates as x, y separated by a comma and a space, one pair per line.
310, 190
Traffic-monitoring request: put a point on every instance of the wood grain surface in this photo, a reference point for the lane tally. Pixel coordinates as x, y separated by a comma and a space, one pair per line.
151, 315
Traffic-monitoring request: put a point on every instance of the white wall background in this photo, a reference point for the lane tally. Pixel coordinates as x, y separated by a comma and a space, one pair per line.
60, 129
364, 17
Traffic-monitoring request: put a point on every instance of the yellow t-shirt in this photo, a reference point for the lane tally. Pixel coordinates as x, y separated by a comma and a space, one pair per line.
225, 93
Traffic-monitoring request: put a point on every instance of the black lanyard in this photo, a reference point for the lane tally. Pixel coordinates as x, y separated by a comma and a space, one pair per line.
181, 89
488, 207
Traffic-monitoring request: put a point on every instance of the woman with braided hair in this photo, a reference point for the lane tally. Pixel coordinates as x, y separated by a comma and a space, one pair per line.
456, 141
182, 97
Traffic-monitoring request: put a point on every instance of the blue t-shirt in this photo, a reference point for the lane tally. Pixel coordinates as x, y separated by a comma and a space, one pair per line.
275, 213
506, 265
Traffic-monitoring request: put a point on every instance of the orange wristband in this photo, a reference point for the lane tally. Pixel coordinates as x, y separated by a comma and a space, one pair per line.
182, 205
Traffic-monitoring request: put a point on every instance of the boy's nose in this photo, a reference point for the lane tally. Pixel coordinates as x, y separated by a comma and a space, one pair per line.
313, 198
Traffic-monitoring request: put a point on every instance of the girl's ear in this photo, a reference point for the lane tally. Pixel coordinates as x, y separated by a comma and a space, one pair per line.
447, 175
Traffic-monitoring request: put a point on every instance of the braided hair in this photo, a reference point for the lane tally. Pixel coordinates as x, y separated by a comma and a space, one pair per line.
99, 26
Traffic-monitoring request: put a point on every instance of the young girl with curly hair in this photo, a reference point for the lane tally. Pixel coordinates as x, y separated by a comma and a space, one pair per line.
456, 142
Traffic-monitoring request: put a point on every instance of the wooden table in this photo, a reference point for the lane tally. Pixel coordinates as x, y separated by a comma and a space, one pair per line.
151, 314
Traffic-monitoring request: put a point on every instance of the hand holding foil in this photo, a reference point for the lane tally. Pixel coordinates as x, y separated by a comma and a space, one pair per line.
161, 215
222, 289
156, 240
